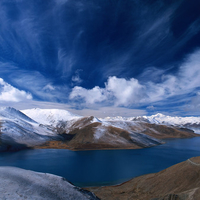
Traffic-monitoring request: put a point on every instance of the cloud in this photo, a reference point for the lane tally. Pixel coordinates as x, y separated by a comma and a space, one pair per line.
126, 92
193, 106
40, 86
76, 80
184, 82
110, 112
130, 92
92, 96
97, 112
120, 91
12, 94
48, 87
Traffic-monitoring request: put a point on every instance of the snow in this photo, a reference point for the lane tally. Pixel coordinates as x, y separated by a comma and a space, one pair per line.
157, 119
38, 125
16, 183
99, 132
163, 119
12, 113
18, 128
50, 116
95, 120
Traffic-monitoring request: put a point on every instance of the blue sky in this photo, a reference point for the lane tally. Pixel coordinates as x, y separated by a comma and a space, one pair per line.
102, 57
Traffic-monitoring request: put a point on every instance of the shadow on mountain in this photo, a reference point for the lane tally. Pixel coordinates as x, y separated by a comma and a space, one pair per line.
9, 144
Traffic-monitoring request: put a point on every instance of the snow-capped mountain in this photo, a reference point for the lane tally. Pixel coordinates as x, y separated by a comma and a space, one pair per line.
49, 116
163, 119
192, 123
12, 113
18, 130
52, 128
91, 133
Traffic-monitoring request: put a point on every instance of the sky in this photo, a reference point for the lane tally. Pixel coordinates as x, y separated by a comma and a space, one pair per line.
101, 57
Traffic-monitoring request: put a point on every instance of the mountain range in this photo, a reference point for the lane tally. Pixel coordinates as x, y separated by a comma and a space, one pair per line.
53, 128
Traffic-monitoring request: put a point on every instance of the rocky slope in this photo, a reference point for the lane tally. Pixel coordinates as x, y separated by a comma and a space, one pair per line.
16, 183
179, 182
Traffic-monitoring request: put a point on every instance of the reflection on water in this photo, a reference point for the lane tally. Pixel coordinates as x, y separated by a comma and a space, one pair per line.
103, 167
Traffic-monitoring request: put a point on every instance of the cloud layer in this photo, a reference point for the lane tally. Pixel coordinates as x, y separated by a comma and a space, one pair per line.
12, 94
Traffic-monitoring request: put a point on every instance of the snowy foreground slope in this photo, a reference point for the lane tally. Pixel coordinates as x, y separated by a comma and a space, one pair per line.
16, 183
52, 128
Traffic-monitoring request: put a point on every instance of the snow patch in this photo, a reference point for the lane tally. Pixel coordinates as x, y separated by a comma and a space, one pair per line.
99, 132
95, 120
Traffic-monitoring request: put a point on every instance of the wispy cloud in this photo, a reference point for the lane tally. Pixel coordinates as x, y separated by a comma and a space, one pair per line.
34, 82
40, 86
76, 79
8, 93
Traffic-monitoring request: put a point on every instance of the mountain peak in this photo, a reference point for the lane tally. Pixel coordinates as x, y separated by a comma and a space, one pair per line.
50, 116
10, 112
159, 115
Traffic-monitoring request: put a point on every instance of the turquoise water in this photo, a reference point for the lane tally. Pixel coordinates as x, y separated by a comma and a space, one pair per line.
103, 167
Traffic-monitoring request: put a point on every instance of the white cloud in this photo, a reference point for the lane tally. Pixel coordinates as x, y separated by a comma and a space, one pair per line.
123, 92
12, 94
185, 81
119, 90
90, 96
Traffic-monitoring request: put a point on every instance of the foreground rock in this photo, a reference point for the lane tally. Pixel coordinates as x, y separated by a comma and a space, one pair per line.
179, 182
20, 184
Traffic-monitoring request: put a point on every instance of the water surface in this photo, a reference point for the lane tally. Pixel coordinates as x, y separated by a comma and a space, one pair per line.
103, 167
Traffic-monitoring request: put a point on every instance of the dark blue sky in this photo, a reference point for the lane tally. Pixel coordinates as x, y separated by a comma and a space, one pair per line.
102, 53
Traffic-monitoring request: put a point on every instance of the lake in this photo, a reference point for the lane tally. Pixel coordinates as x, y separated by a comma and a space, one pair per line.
103, 167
